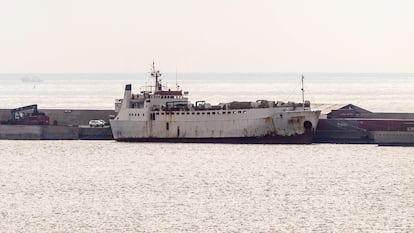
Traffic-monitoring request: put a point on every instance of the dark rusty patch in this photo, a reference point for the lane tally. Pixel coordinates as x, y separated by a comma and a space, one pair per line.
295, 120
245, 132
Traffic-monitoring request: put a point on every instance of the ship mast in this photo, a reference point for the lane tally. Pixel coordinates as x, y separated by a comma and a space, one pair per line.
303, 94
156, 74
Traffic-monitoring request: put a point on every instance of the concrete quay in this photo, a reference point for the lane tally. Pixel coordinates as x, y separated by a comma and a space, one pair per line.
65, 124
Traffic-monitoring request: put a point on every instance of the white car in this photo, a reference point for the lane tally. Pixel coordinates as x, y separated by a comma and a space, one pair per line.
97, 123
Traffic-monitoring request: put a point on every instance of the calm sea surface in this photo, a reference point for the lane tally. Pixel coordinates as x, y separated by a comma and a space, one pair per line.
106, 186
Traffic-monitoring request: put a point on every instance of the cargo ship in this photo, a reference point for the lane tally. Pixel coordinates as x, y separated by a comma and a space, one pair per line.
353, 124
164, 115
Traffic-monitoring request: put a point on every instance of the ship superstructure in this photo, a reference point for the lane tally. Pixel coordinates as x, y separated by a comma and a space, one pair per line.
166, 115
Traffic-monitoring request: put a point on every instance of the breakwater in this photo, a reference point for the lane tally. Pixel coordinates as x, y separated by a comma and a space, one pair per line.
65, 124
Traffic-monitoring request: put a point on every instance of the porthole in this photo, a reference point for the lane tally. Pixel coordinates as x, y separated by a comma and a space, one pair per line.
307, 124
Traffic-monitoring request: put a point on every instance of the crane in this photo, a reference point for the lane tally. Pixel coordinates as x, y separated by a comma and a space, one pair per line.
20, 116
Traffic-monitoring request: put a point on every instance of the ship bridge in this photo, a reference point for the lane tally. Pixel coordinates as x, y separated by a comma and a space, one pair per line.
169, 100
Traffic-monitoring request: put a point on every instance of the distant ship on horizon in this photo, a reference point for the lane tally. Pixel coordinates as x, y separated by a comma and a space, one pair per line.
31, 79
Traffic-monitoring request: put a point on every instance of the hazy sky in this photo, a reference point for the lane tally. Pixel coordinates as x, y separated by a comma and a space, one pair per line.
207, 36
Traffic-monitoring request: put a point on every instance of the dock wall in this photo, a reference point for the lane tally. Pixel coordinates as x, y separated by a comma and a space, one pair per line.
68, 116
65, 124
52, 132
21, 132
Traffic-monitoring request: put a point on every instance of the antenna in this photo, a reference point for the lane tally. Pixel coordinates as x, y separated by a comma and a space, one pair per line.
176, 79
303, 93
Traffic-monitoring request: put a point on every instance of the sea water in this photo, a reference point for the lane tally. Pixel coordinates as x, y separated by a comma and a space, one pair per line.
108, 186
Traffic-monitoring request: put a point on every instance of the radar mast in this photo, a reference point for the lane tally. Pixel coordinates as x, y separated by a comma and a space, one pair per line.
156, 74
303, 94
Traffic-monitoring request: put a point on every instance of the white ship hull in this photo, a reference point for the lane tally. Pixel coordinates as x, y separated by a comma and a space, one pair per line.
265, 125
